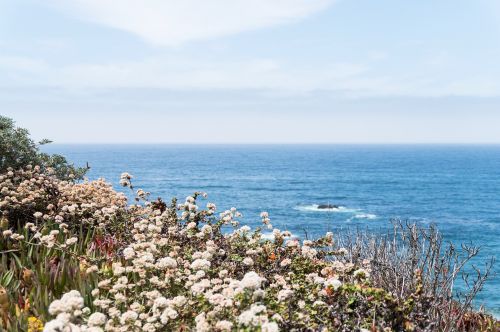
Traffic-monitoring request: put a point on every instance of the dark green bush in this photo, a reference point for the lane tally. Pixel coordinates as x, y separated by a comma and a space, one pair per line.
18, 149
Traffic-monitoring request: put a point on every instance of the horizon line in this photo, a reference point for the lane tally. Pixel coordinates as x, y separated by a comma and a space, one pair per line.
274, 143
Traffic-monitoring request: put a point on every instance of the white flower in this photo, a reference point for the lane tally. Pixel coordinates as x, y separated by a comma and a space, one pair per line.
71, 241
166, 263
126, 175
200, 264
277, 317
245, 229
207, 229
104, 283
284, 294
179, 301
216, 299
253, 316
251, 280
160, 302
55, 325
128, 317
97, 319
168, 314
246, 317
333, 282
265, 219
201, 323
270, 327
248, 261
285, 262
17, 237
68, 303
118, 269
224, 325
200, 287
128, 253
309, 252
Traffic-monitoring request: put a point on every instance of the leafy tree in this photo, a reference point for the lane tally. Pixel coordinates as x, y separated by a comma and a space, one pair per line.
17, 149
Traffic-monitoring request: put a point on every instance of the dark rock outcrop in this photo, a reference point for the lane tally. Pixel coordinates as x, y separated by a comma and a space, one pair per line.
328, 206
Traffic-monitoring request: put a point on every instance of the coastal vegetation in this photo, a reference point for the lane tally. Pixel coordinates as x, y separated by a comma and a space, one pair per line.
79, 256
17, 150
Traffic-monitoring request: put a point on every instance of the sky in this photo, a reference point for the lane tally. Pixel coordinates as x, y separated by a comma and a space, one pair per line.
252, 71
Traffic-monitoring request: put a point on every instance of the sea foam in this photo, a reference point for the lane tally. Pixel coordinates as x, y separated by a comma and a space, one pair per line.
365, 216
315, 208
270, 236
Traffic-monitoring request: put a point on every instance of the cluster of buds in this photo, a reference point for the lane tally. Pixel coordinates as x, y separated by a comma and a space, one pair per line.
265, 219
126, 180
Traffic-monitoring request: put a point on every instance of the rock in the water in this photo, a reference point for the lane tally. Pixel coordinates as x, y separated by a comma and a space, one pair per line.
328, 206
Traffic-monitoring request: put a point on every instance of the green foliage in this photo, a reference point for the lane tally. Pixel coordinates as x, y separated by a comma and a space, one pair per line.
33, 276
17, 149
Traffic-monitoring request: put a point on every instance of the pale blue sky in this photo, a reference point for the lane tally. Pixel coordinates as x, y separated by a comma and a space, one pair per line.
232, 71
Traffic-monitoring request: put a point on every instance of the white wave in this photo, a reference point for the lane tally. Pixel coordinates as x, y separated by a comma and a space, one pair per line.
270, 236
365, 216
267, 236
315, 208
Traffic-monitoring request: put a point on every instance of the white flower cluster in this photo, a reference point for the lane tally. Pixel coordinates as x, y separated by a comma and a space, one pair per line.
265, 219
179, 271
125, 179
70, 308
257, 316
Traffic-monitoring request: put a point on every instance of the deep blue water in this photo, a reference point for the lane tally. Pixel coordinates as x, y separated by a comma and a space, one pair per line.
455, 187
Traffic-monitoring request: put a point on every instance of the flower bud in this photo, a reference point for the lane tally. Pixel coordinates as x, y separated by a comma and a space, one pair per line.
4, 223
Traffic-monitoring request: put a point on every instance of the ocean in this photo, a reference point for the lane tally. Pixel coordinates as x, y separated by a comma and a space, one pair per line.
453, 186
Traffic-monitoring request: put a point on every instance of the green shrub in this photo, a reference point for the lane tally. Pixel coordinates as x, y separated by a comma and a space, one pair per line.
17, 149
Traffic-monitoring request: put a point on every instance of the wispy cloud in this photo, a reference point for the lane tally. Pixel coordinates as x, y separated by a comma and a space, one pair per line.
176, 73
16, 63
171, 22
188, 73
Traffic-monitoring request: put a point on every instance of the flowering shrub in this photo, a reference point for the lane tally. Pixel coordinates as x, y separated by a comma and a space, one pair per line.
179, 267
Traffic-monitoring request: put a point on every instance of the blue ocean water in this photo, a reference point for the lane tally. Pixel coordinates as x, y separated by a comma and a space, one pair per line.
455, 187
